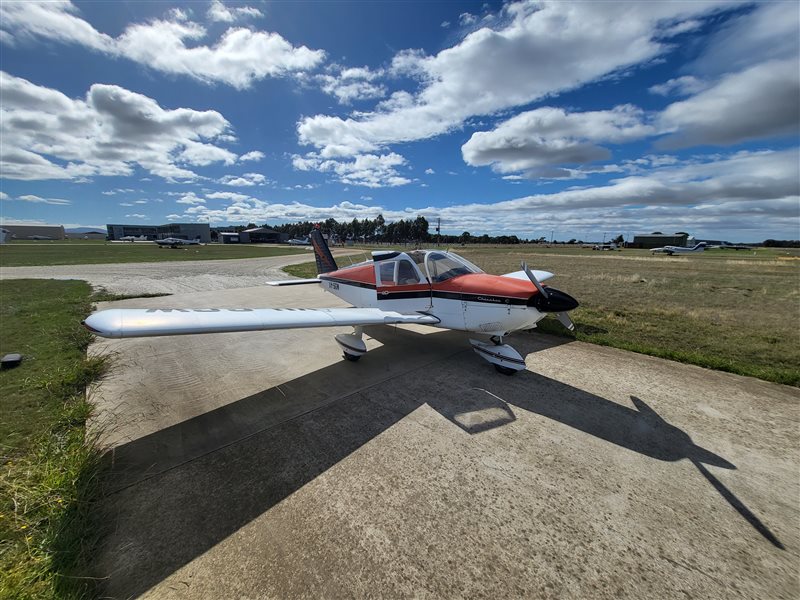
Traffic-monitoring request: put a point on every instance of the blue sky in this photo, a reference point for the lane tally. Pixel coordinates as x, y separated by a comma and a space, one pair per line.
502, 118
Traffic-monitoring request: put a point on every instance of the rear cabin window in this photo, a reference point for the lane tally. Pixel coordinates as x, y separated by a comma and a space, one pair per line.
398, 272
387, 273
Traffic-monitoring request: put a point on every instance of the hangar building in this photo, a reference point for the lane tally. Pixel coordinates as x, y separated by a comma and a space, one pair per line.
256, 235
183, 231
657, 240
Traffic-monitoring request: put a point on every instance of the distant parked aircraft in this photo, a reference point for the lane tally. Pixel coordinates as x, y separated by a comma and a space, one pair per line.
172, 242
133, 238
679, 249
300, 242
39, 237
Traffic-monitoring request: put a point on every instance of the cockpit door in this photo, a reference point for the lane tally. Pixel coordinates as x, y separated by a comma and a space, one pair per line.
400, 285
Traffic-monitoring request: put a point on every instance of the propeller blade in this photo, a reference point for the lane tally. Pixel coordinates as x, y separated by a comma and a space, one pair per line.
535, 281
565, 320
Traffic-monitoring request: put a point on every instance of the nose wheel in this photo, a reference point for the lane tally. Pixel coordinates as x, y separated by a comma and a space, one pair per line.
505, 359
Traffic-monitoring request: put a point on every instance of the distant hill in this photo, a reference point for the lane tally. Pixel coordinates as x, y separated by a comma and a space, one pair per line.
85, 230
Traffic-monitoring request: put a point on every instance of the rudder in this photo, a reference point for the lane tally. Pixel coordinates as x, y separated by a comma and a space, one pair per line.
325, 262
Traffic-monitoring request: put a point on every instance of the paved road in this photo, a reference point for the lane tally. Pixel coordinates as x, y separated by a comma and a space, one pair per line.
169, 277
261, 465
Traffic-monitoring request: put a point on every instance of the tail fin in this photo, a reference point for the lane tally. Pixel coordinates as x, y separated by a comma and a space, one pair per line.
325, 262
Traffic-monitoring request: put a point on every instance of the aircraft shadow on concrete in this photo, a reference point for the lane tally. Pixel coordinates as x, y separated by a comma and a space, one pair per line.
180, 491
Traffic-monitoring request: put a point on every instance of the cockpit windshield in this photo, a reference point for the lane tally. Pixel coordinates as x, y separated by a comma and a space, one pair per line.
442, 266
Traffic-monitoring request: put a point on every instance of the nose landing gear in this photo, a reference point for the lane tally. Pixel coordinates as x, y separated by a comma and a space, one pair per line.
505, 359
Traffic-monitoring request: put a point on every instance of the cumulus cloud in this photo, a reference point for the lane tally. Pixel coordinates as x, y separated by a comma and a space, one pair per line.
190, 198
753, 192
220, 13
232, 196
351, 84
47, 135
543, 49
171, 45
369, 170
246, 180
253, 155
535, 141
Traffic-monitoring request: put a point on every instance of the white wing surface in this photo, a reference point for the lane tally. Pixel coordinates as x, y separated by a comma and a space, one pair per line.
141, 322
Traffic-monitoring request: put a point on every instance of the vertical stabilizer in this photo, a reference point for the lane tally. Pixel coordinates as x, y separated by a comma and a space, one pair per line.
325, 262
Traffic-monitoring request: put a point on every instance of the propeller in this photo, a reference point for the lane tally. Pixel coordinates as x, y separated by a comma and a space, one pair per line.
549, 300
535, 281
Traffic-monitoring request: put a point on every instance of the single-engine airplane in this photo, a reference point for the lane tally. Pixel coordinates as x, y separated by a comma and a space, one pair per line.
172, 242
429, 287
670, 250
299, 242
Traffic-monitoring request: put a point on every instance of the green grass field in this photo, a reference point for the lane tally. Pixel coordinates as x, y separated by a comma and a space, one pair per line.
722, 309
48, 477
85, 252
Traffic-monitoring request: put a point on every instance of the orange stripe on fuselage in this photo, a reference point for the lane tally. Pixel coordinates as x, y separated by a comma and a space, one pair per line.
360, 274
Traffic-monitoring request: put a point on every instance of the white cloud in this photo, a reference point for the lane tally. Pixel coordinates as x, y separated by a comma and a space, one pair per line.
117, 191
753, 192
445, 24
232, 196
681, 86
138, 216
56, 20
47, 135
369, 170
538, 142
757, 103
253, 155
543, 49
38, 200
4, 196
467, 19
429, 171
771, 31
126, 203
246, 180
238, 58
190, 198
218, 12
350, 84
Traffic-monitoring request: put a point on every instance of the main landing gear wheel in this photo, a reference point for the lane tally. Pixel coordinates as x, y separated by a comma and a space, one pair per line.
351, 357
504, 370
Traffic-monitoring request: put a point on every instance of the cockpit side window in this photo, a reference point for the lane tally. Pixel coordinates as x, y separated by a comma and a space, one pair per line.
442, 267
406, 273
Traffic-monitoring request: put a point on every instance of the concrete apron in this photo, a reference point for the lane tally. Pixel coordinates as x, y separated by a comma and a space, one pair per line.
261, 465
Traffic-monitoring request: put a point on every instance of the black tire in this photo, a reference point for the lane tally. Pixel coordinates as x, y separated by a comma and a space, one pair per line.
351, 357
504, 370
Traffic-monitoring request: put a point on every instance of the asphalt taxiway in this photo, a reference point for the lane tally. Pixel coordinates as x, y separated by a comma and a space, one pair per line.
262, 465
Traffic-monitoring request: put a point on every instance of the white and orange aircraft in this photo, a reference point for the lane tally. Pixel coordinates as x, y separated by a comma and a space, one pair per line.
429, 287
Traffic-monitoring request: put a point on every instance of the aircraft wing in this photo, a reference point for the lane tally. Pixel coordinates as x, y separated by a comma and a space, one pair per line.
141, 322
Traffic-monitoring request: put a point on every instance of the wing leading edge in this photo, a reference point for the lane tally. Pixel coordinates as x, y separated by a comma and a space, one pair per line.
140, 322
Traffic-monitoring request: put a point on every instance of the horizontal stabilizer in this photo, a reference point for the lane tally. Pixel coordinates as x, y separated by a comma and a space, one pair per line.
540, 275
293, 281
146, 322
